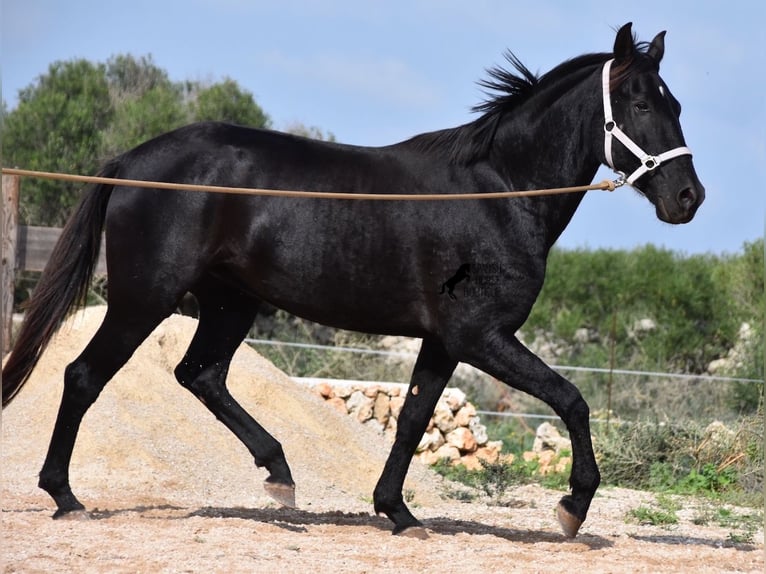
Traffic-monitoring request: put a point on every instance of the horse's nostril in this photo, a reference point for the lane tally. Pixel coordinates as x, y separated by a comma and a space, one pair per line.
687, 197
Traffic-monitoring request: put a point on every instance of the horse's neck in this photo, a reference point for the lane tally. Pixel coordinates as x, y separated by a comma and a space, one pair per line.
552, 145
555, 147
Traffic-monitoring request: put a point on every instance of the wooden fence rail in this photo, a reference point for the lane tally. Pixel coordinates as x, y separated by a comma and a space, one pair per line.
34, 246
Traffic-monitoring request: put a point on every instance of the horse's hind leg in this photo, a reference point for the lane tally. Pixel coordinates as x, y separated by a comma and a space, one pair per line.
115, 341
225, 317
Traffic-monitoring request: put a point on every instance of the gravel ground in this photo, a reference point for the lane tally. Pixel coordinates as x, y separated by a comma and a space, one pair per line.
170, 490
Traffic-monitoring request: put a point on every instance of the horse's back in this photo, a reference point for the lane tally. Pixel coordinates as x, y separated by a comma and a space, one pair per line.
364, 265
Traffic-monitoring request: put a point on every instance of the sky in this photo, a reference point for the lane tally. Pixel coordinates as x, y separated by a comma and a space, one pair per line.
376, 72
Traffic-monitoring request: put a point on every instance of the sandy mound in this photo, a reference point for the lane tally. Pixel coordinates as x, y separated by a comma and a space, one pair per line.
148, 439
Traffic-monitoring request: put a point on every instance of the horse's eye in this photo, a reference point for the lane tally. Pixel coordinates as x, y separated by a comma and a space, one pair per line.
641, 106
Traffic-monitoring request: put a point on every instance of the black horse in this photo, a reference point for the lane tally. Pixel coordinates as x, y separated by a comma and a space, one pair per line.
234, 251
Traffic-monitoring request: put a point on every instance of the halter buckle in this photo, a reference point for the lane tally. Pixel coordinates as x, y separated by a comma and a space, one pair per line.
651, 162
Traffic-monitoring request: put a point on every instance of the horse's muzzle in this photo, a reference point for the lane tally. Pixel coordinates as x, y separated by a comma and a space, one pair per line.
682, 207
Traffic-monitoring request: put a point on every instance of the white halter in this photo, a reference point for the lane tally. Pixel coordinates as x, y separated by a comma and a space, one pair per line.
648, 162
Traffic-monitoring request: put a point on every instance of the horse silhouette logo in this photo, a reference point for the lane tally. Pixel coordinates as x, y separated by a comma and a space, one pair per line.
462, 274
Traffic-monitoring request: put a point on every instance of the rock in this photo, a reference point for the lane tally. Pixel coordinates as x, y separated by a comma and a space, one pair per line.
718, 433
563, 463
381, 409
443, 418
343, 391
431, 440
582, 335
548, 437
479, 431
360, 405
464, 415
734, 359
463, 439
395, 404
429, 457
717, 366
454, 430
507, 458
642, 327
548, 461
470, 461
447, 451
529, 456
717, 438
455, 398
325, 390
490, 451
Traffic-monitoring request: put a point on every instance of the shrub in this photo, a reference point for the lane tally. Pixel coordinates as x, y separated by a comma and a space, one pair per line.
591, 289
685, 459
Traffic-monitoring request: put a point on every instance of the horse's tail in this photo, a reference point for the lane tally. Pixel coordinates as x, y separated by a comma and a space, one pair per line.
63, 285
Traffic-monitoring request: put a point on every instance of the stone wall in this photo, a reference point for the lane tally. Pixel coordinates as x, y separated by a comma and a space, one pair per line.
454, 432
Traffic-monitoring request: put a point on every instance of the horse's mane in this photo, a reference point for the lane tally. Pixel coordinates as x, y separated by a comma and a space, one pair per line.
506, 91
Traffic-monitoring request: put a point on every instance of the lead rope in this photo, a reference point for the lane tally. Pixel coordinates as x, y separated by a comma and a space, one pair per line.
606, 185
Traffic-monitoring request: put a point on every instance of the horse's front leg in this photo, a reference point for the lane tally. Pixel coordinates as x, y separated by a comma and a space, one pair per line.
505, 358
429, 377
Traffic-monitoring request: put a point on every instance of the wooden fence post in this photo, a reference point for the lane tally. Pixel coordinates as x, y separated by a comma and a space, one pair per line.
8, 233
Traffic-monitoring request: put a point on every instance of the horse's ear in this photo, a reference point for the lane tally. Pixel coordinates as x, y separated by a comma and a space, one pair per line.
624, 44
657, 48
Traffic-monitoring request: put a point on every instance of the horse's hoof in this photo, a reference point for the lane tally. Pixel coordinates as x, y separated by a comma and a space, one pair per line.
417, 532
570, 524
75, 515
284, 494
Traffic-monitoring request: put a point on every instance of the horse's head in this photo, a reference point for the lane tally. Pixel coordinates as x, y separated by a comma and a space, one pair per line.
643, 138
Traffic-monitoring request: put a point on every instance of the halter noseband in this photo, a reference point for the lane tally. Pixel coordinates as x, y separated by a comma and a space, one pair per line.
648, 162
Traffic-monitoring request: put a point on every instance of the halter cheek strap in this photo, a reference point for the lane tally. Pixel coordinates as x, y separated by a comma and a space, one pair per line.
611, 129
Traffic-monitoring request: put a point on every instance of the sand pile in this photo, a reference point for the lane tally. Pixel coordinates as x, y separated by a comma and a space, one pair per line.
148, 440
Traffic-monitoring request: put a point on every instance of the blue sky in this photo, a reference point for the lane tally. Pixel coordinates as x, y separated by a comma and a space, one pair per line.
375, 72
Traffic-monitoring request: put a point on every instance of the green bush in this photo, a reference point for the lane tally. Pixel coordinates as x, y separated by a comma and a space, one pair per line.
608, 291
698, 305
684, 459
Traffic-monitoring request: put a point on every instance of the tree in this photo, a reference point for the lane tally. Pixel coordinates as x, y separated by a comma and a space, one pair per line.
226, 101
313, 132
145, 102
57, 126
128, 75
79, 114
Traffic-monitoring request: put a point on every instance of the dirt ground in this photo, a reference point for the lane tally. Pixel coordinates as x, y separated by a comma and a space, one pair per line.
170, 490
